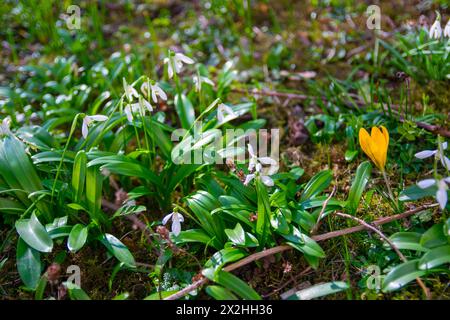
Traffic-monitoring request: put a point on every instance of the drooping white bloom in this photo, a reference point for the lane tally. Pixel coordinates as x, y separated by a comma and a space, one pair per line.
130, 92
441, 194
255, 164
155, 90
439, 153
4, 127
88, 120
175, 62
436, 30
447, 29
137, 108
199, 80
177, 218
225, 113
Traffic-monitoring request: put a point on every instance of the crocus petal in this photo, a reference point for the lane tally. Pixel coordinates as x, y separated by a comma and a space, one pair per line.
267, 181
249, 178
426, 183
441, 197
379, 146
425, 154
365, 143
84, 128
167, 218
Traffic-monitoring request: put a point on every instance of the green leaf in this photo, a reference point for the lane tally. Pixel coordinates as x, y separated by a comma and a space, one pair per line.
350, 155
435, 257
75, 292
28, 264
317, 184
224, 256
434, 237
233, 283
118, 249
94, 193
34, 234
407, 240
236, 235
77, 237
413, 193
402, 275
359, 184
264, 212
185, 111
220, 293
319, 290
79, 174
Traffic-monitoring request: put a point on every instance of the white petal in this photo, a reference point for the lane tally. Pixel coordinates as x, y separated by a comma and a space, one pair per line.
170, 71
447, 179
99, 118
258, 167
160, 92
147, 105
84, 128
176, 227
128, 113
445, 162
182, 57
252, 163
249, 178
167, 218
426, 183
180, 217
208, 81
144, 88
444, 145
220, 116
267, 161
267, 181
425, 154
441, 197
250, 150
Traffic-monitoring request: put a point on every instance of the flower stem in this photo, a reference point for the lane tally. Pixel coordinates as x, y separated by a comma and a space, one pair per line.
388, 185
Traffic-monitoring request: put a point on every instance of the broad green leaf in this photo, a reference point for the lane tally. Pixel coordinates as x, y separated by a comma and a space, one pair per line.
94, 193
415, 193
434, 237
28, 264
75, 292
77, 237
264, 212
220, 293
358, 185
435, 257
185, 111
317, 184
79, 174
236, 235
407, 240
402, 275
233, 283
224, 256
319, 290
34, 234
117, 249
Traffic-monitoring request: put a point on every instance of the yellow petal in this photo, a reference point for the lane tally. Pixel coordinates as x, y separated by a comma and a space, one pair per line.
386, 135
365, 142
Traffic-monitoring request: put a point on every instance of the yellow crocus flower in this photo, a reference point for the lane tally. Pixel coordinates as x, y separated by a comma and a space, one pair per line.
375, 145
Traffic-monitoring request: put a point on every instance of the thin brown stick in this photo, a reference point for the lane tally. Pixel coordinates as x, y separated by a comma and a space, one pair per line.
278, 249
393, 246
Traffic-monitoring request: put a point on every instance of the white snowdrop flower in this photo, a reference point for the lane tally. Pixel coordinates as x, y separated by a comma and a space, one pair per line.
439, 153
88, 121
441, 194
436, 30
175, 62
256, 163
155, 90
137, 108
225, 113
130, 92
447, 29
4, 127
176, 218
199, 80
